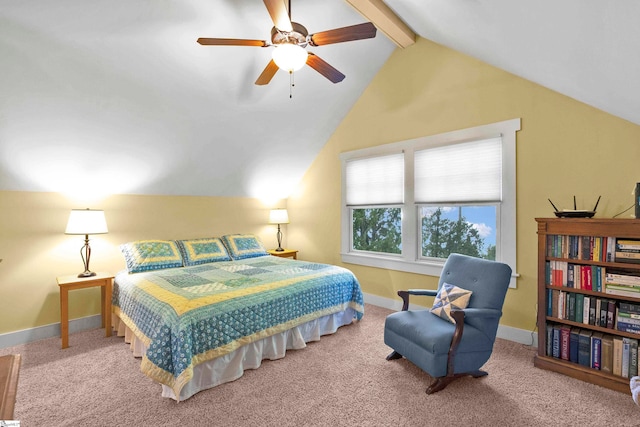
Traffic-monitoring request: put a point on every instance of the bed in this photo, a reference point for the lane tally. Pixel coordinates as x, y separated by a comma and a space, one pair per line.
199, 312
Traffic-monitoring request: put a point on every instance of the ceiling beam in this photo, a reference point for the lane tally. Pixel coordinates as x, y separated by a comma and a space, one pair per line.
386, 20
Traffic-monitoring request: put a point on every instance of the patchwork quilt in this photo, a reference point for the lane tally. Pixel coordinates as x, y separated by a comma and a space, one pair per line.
189, 315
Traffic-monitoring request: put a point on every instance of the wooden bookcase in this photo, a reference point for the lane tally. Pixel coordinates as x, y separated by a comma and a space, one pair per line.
618, 228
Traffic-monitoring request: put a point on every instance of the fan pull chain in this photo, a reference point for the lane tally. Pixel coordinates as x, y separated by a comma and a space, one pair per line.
291, 84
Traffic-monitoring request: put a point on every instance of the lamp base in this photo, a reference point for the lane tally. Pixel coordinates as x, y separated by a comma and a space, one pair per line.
87, 274
279, 250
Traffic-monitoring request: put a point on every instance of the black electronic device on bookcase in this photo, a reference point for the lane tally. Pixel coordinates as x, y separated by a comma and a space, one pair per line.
581, 213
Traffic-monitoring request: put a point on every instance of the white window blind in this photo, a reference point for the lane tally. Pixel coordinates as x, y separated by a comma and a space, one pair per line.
465, 172
375, 180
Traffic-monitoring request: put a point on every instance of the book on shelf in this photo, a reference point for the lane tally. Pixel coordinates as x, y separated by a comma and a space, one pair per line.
586, 309
628, 244
596, 348
611, 314
549, 341
611, 249
574, 339
592, 310
555, 347
631, 318
628, 322
622, 290
627, 251
587, 241
579, 307
571, 306
607, 354
617, 356
598, 312
555, 295
626, 356
565, 337
621, 279
597, 249
633, 358
570, 276
628, 307
630, 329
586, 277
584, 347
629, 257
562, 298
604, 310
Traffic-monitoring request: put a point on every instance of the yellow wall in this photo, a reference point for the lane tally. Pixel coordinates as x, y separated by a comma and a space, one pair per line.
564, 148
34, 249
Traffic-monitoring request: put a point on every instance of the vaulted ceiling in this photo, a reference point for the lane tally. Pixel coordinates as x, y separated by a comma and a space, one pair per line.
117, 96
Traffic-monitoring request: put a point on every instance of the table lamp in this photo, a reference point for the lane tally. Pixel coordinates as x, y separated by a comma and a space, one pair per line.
86, 221
279, 216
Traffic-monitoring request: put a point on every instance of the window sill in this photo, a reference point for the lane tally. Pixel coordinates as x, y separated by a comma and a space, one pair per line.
428, 268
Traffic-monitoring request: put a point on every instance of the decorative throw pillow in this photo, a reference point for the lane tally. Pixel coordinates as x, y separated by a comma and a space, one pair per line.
201, 251
450, 297
145, 255
241, 246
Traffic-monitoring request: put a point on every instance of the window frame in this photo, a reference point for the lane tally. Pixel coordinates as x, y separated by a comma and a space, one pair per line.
410, 259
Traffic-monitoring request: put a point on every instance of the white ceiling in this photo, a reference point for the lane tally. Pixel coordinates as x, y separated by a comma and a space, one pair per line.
116, 96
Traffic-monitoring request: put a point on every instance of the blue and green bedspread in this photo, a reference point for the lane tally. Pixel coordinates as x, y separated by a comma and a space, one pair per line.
189, 315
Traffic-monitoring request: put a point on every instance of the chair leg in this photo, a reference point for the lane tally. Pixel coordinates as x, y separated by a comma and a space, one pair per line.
394, 355
441, 382
479, 373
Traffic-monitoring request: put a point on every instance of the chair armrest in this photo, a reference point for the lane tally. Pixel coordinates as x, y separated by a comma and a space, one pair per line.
426, 292
420, 292
481, 312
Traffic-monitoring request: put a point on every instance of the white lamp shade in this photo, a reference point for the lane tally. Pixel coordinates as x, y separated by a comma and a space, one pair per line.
289, 57
86, 221
278, 216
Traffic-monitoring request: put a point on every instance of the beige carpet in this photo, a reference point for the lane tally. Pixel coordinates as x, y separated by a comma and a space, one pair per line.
342, 380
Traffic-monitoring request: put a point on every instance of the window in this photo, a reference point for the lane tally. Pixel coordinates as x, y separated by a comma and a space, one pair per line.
408, 205
374, 191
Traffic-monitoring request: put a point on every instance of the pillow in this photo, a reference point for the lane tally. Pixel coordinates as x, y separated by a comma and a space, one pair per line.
241, 246
201, 251
450, 297
145, 255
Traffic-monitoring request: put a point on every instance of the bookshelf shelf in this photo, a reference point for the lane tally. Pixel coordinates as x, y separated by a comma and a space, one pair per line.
556, 250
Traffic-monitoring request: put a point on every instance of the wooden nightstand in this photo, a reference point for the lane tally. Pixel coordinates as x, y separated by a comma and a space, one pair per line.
287, 253
69, 283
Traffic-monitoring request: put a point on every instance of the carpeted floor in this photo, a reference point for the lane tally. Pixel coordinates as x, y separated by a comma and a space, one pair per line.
342, 380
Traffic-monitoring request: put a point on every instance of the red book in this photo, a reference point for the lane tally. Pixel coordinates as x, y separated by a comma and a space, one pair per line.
588, 281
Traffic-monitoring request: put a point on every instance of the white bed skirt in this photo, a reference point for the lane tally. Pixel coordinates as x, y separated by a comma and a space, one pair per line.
231, 366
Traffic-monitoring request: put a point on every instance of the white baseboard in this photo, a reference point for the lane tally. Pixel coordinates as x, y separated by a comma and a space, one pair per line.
521, 336
48, 331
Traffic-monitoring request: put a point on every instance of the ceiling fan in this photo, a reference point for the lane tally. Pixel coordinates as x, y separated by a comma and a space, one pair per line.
290, 40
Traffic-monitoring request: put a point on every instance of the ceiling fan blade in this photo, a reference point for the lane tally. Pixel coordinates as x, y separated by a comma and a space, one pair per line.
231, 42
267, 73
324, 68
344, 34
279, 14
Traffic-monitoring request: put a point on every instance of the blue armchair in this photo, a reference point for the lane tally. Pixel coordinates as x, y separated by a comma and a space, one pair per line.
447, 350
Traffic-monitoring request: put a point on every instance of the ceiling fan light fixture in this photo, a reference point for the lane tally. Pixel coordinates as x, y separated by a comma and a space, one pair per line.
289, 57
